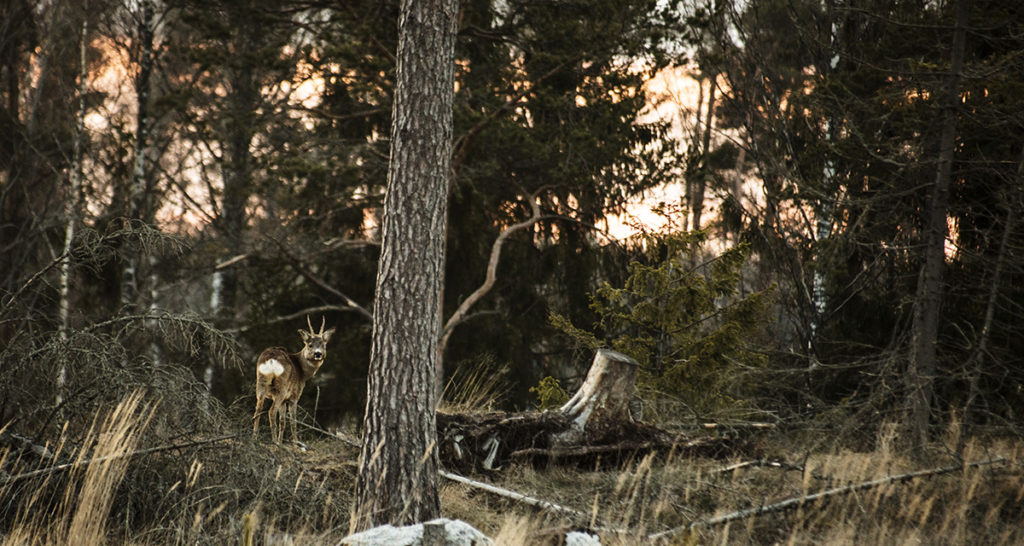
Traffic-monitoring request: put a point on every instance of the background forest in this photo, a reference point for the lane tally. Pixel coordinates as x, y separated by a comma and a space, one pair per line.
835, 246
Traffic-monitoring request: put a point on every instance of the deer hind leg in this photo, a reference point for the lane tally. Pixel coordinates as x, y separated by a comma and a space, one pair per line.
256, 415
275, 421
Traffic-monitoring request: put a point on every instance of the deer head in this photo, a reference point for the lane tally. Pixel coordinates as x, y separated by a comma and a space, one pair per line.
315, 343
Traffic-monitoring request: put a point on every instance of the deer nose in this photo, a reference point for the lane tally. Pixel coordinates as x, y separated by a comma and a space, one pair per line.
317, 355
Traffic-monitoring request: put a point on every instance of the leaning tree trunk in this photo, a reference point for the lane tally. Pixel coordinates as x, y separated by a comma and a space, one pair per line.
398, 465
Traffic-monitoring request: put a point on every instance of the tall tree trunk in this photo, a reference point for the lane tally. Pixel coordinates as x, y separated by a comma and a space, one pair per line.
398, 475
925, 330
242, 101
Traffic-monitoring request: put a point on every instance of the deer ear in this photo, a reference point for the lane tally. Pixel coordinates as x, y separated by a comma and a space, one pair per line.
327, 335
304, 334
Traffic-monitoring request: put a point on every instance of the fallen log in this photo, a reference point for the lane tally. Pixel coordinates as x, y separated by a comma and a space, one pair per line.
84, 462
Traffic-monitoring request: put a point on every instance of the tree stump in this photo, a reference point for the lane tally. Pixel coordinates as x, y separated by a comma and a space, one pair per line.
604, 396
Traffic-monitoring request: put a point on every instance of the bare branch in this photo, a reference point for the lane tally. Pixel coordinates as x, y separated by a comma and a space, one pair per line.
295, 315
492, 272
519, 497
308, 275
462, 313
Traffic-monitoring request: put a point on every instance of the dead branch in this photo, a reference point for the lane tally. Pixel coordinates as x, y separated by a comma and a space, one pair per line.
492, 272
585, 450
759, 463
136, 453
518, 497
804, 499
291, 316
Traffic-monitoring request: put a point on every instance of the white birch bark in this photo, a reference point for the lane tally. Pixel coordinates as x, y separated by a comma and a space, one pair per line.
72, 206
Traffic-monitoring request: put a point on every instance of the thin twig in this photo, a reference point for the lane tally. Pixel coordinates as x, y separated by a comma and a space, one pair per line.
588, 450
297, 314
300, 267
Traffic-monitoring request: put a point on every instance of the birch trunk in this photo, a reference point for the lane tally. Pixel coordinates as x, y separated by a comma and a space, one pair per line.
73, 205
137, 199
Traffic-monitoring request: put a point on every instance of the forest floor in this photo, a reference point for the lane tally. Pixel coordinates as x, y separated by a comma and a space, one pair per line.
221, 491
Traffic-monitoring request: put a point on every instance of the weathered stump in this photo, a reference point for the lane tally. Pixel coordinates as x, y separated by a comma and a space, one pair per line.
604, 396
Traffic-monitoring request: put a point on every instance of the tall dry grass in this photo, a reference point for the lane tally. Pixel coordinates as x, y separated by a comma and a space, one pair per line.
88, 491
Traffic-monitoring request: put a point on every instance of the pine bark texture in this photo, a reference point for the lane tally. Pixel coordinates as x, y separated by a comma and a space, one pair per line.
925, 330
398, 470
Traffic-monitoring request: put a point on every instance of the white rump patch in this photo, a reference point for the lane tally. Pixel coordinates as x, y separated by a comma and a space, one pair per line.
271, 367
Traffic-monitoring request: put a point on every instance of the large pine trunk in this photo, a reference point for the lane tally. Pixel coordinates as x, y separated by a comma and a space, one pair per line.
398, 470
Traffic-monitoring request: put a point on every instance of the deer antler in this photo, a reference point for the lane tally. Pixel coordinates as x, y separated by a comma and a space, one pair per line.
323, 322
311, 330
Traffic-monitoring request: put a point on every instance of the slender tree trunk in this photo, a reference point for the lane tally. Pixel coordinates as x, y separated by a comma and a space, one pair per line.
137, 199
72, 206
975, 364
700, 181
925, 330
398, 470
825, 209
242, 101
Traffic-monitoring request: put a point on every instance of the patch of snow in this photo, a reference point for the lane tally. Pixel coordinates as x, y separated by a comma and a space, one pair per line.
457, 533
577, 538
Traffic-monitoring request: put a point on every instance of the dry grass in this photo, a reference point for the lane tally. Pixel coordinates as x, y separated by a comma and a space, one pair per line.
475, 386
230, 490
96, 471
104, 490
654, 494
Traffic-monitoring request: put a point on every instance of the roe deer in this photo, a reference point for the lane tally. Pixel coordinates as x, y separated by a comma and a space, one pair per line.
281, 376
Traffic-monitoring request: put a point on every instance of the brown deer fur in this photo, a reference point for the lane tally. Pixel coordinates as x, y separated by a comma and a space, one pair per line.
281, 376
